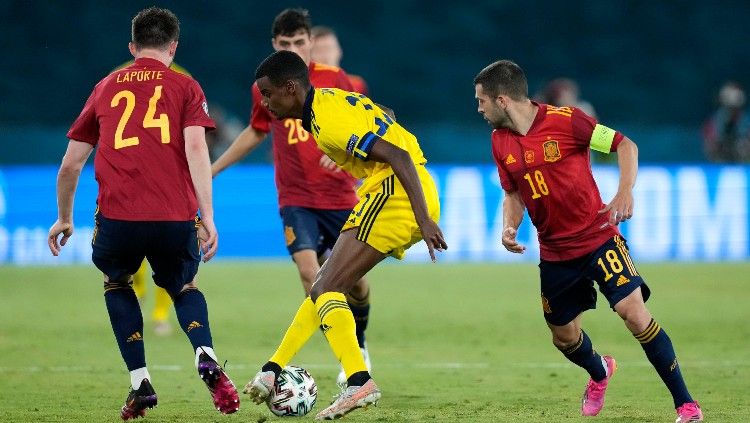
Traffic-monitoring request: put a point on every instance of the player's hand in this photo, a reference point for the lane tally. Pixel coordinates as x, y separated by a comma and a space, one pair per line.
620, 208
509, 241
328, 163
64, 228
433, 237
209, 239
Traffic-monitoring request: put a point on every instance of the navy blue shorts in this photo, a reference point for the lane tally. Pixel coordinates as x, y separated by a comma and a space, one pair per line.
312, 229
171, 249
568, 286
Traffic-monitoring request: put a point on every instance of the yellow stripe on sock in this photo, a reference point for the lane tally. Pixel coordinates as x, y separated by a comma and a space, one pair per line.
649, 334
573, 348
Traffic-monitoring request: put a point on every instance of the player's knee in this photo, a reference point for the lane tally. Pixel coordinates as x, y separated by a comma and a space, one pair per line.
360, 289
122, 282
563, 341
636, 316
565, 336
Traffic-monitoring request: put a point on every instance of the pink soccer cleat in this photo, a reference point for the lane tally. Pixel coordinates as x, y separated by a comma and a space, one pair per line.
593, 397
352, 398
223, 393
689, 412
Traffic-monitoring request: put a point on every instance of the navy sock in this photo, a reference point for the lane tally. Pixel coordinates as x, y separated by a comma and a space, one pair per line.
660, 353
358, 379
127, 324
192, 313
361, 311
270, 366
582, 354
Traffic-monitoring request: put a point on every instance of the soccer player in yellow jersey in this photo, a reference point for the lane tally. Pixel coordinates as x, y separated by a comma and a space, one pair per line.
398, 207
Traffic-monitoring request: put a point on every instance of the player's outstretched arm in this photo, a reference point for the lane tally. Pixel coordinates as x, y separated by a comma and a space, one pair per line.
199, 164
513, 209
67, 181
620, 208
403, 167
245, 142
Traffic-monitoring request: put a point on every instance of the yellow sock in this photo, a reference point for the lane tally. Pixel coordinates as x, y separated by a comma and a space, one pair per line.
162, 305
305, 323
339, 327
139, 281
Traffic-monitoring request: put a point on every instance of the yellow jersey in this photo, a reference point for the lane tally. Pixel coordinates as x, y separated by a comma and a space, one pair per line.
345, 125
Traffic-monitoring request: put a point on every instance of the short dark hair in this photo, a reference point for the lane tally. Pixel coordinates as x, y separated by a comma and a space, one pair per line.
322, 31
154, 28
289, 21
503, 77
282, 66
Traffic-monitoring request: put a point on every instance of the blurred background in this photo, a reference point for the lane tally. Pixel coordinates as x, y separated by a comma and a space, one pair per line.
669, 75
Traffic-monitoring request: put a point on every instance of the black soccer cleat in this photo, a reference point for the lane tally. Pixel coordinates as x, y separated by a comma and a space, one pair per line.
138, 401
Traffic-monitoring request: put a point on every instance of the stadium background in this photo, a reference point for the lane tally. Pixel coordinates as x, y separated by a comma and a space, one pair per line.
651, 70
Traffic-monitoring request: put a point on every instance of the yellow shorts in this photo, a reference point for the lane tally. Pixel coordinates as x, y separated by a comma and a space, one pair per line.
385, 218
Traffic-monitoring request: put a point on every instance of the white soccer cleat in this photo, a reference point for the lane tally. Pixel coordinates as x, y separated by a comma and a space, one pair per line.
261, 386
352, 398
341, 378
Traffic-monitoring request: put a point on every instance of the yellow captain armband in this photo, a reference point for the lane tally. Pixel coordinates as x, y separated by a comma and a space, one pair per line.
602, 138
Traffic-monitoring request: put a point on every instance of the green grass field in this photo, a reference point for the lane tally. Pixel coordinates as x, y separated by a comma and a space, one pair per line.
448, 343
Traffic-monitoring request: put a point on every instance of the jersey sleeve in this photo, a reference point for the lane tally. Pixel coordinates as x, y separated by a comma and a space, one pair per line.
86, 127
351, 126
590, 133
196, 108
506, 181
260, 117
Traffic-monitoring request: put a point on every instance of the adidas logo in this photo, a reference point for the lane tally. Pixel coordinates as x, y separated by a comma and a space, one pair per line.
510, 159
324, 327
622, 280
135, 337
194, 325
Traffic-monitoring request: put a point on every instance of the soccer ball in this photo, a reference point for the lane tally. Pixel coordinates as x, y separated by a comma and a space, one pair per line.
295, 393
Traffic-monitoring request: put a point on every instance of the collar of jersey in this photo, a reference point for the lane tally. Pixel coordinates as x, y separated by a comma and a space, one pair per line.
149, 61
307, 110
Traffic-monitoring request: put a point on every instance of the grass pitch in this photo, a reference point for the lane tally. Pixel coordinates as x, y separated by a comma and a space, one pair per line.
448, 343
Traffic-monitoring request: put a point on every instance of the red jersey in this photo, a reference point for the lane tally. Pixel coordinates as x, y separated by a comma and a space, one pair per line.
551, 169
300, 180
136, 116
359, 85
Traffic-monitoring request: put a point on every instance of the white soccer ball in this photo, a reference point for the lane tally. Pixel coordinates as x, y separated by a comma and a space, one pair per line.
295, 393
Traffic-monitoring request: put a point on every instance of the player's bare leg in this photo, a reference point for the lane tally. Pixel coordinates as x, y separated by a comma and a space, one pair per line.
577, 347
660, 352
308, 266
350, 260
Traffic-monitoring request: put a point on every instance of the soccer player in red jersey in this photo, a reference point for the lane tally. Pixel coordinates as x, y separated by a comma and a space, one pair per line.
542, 156
326, 49
148, 123
315, 196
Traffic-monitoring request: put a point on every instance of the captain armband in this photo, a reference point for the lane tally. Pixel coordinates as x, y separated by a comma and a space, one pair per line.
602, 138
360, 147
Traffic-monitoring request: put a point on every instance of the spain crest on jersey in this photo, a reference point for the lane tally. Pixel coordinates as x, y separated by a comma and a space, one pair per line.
551, 151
